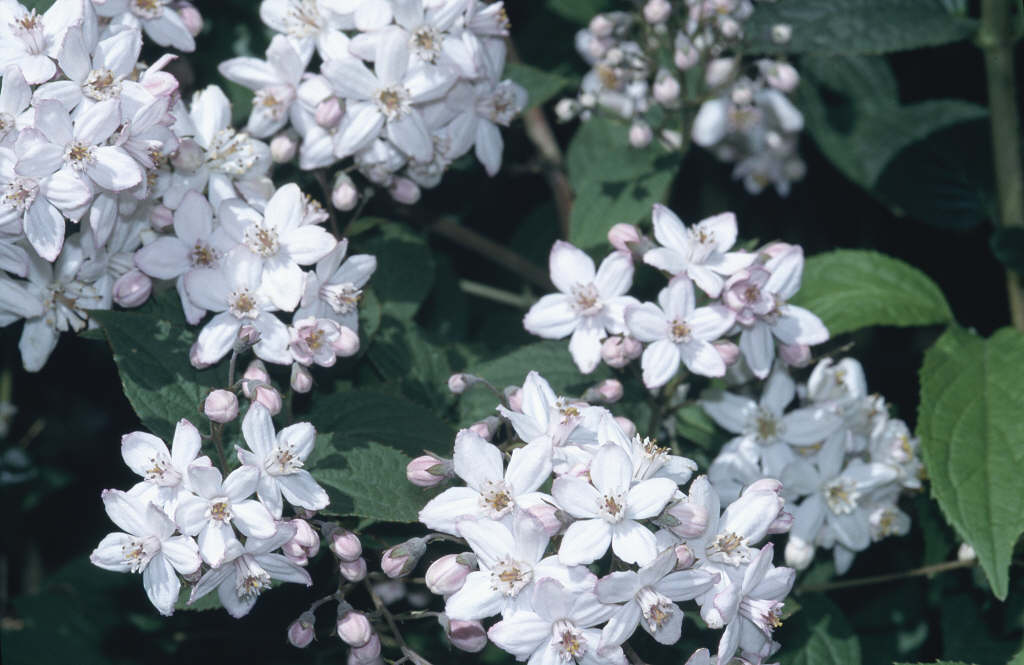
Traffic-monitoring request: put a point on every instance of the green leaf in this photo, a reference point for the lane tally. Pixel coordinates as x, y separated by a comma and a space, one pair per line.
818, 635
856, 26
403, 354
972, 441
1008, 246
405, 268
540, 84
937, 662
852, 288
151, 348
579, 11
600, 152
599, 206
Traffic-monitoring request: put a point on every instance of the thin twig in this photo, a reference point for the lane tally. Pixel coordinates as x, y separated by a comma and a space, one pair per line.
232, 364
924, 571
484, 246
633, 656
495, 294
386, 613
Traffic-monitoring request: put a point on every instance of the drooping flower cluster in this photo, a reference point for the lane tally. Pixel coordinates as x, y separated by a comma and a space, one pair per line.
613, 497
648, 66
403, 88
745, 295
844, 462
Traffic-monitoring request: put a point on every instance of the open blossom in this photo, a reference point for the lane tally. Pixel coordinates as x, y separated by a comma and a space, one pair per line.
148, 546
591, 304
274, 80
730, 536
158, 18
545, 415
334, 288
95, 68
279, 458
31, 40
320, 341
648, 459
164, 473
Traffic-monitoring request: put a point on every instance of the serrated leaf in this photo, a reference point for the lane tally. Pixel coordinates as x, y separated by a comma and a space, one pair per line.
599, 206
600, 152
972, 441
818, 635
405, 268
852, 288
404, 355
540, 84
151, 348
856, 26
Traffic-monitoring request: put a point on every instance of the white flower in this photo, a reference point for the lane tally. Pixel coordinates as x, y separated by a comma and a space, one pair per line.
649, 460
147, 545
544, 415
274, 80
492, 491
647, 597
366, 15
157, 18
701, 252
247, 572
15, 96
30, 40
279, 458
557, 629
335, 287
486, 106
95, 69
511, 562
218, 504
730, 537
608, 508
312, 23
678, 332
164, 474
590, 304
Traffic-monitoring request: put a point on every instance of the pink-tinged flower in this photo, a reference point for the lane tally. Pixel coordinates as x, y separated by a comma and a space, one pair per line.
279, 458
95, 68
701, 252
161, 22
319, 341
545, 415
678, 332
279, 241
234, 291
219, 503
15, 97
164, 473
314, 23
608, 509
511, 559
30, 40
484, 108
333, 290
557, 628
730, 536
647, 596
274, 80
648, 459
366, 15
148, 546
492, 491
591, 304
247, 572
759, 297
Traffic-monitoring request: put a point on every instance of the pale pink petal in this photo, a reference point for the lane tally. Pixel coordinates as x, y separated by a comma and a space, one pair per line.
570, 267
585, 541
476, 461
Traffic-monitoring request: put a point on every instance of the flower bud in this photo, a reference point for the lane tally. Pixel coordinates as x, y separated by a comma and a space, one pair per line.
161, 217
601, 26
966, 553
221, 406
301, 380
347, 344
548, 517
657, 11
367, 653
514, 395
617, 351
486, 428
566, 109
158, 82
328, 113
467, 635
344, 195
398, 561
193, 357
269, 398
294, 553
343, 543
256, 373
640, 134
608, 391
685, 57
191, 17
719, 71
353, 571
684, 557
666, 90
729, 27
283, 147
779, 75
447, 575
627, 425
189, 156
405, 191
248, 337
686, 520
301, 631
621, 235
799, 553
795, 355
728, 351
429, 470
781, 524
306, 536
132, 289
354, 628
459, 382
782, 33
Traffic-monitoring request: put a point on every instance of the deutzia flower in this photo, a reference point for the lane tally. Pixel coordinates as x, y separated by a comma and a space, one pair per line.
590, 304
730, 536
311, 23
274, 80
15, 96
94, 68
492, 491
335, 287
147, 545
157, 18
30, 40
649, 460
607, 509
679, 332
546, 415
164, 474
279, 458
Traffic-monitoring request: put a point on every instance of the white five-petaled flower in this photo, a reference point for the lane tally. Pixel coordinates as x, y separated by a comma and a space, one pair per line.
164, 473
274, 80
157, 18
647, 596
608, 509
649, 460
546, 415
30, 40
312, 23
218, 504
95, 68
590, 304
334, 288
730, 536
492, 491
678, 332
279, 458
701, 252
147, 545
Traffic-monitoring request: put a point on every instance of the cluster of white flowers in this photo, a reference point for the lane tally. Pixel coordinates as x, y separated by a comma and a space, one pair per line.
615, 497
434, 93
843, 461
745, 118
745, 294
182, 497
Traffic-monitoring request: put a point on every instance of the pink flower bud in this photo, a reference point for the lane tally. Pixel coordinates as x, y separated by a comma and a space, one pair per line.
457, 383
966, 553
686, 520
601, 26
657, 11
369, 652
221, 406
467, 635
514, 395
283, 147
627, 425
405, 191
781, 524
447, 575
301, 631
547, 515
795, 355
399, 561
719, 71
730, 27
132, 289
344, 195
666, 90
486, 428
193, 357
328, 113
191, 17
294, 553
353, 571
347, 344
161, 217
728, 351
609, 390
189, 156
354, 628
301, 380
799, 553
158, 82
306, 536
269, 398
429, 470
620, 235
685, 57
343, 543
256, 372
684, 557
782, 33
248, 337
617, 351
640, 134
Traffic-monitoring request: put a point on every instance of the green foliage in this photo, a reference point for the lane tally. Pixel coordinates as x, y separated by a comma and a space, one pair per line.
151, 348
818, 635
405, 268
857, 26
1008, 246
972, 441
851, 289
579, 11
540, 84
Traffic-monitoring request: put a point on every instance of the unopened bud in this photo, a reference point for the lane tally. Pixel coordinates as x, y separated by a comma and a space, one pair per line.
405, 191
447, 575
269, 398
617, 351
193, 357
781, 75
657, 11
189, 156
221, 406
601, 26
514, 395
686, 520
799, 553
328, 113
467, 635
354, 628
399, 561
610, 390
782, 33
548, 517
795, 355
343, 543
367, 653
132, 289
347, 344
283, 147
248, 337
255, 373
353, 571
486, 428
719, 71
301, 380
684, 557
627, 425
301, 631
966, 553
781, 524
729, 27
728, 351
294, 553
566, 109
640, 134
621, 235
161, 217
191, 17
459, 382
344, 195
685, 57
306, 536
666, 90
429, 470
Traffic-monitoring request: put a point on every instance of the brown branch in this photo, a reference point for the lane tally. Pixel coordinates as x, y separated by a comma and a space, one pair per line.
924, 571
